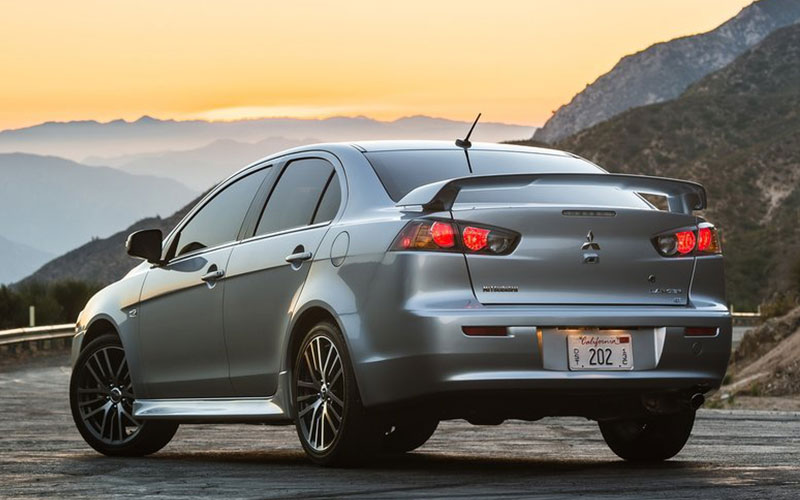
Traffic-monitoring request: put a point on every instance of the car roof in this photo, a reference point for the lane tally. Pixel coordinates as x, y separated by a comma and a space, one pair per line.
401, 145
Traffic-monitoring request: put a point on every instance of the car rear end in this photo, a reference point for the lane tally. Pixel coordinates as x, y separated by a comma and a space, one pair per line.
539, 285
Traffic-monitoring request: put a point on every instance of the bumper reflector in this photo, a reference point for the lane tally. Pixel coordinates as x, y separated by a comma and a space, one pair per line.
485, 331
699, 331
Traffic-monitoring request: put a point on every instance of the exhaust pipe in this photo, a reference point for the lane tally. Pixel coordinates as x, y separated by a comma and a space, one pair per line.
697, 400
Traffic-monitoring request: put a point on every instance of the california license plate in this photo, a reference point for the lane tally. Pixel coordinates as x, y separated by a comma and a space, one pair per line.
600, 352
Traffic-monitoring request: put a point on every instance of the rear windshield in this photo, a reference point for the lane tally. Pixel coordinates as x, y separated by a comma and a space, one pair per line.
402, 171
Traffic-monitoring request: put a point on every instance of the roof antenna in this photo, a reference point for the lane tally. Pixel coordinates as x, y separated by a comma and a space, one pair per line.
464, 143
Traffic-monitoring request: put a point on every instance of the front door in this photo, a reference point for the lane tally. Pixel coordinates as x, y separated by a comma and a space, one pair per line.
181, 324
267, 271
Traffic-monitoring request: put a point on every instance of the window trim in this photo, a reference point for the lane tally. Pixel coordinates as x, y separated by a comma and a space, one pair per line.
173, 236
332, 160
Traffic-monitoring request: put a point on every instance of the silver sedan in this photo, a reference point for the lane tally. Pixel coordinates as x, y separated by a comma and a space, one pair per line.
366, 291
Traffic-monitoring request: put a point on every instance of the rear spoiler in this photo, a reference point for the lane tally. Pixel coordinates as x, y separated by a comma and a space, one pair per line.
682, 196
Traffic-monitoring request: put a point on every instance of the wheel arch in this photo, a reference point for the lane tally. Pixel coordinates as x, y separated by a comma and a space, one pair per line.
97, 327
311, 314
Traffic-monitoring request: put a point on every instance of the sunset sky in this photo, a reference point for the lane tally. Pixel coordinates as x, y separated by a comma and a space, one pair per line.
515, 61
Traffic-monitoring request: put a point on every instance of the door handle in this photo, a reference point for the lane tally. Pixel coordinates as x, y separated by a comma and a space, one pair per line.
212, 276
298, 257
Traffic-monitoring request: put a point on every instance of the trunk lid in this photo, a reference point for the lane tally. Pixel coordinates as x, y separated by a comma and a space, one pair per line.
579, 255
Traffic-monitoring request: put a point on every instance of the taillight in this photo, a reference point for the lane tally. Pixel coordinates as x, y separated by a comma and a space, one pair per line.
446, 236
443, 234
475, 238
686, 241
708, 240
705, 240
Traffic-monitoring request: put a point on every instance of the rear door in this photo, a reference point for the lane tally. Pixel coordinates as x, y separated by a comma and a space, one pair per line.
578, 245
266, 272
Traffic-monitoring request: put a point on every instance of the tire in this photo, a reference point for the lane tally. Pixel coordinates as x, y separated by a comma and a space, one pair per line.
101, 397
324, 394
408, 436
652, 439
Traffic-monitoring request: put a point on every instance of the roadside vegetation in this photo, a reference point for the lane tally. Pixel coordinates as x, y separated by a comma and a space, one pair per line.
55, 303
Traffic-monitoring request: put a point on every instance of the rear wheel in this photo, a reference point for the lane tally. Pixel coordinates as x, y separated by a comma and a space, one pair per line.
330, 420
408, 436
101, 398
649, 439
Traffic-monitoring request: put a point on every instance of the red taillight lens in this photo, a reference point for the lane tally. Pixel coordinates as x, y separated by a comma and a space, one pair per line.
703, 238
437, 235
475, 238
426, 235
686, 241
703, 241
443, 234
708, 240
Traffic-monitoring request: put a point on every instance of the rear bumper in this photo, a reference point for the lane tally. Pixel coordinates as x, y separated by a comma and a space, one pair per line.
423, 355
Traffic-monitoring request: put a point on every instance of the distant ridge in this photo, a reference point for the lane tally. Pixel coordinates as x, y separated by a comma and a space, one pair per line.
664, 70
78, 140
54, 204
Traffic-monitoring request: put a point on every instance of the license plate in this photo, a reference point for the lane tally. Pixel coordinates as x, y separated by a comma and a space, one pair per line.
600, 352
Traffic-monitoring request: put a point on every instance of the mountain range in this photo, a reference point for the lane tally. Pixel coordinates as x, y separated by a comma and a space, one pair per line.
203, 167
78, 140
52, 205
737, 131
25, 259
665, 70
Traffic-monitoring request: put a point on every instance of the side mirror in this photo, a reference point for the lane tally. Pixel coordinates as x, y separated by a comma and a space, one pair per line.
146, 244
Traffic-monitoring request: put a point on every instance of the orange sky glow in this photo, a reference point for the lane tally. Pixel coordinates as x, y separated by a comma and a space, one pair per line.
515, 61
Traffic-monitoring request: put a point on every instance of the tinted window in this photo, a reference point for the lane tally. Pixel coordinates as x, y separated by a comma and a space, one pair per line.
221, 218
402, 171
296, 196
329, 204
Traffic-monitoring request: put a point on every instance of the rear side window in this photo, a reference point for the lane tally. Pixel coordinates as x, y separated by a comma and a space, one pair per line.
296, 196
402, 171
329, 204
220, 220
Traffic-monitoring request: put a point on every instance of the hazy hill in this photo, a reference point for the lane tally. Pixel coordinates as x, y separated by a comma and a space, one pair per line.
664, 70
19, 260
78, 140
103, 260
54, 205
738, 132
203, 167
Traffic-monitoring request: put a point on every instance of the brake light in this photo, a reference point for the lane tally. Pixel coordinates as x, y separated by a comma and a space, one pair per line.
686, 241
475, 238
708, 240
444, 236
705, 240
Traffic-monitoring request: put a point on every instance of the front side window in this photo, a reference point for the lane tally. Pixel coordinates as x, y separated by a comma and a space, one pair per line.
220, 220
296, 196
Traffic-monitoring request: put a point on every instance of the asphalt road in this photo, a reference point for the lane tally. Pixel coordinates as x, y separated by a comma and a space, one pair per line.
732, 454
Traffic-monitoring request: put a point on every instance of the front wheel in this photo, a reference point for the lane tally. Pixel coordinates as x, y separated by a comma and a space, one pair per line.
650, 439
331, 422
101, 398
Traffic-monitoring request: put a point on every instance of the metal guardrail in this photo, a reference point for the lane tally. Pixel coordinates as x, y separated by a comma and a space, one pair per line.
746, 314
36, 333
